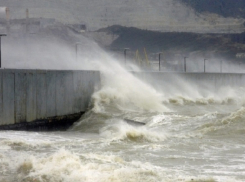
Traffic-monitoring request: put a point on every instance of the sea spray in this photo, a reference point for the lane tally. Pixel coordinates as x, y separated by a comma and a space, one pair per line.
170, 147
122, 88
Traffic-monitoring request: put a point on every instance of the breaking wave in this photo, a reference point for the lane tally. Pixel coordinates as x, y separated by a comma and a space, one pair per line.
65, 166
227, 125
123, 131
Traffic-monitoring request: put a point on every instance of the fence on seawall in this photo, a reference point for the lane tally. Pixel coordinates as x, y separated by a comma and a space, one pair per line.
37, 98
209, 81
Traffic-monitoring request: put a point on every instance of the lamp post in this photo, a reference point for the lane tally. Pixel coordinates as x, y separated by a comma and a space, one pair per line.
0, 49
78, 43
221, 62
125, 55
185, 63
159, 59
204, 65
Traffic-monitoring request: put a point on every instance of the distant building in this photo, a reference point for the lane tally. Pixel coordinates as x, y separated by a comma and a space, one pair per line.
79, 27
240, 55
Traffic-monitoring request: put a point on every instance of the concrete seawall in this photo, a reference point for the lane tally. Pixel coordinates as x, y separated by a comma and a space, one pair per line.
44, 99
41, 96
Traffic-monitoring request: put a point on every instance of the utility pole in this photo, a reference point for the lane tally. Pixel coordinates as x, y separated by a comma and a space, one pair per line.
204, 65
125, 55
0, 49
159, 59
185, 63
78, 43
221, 62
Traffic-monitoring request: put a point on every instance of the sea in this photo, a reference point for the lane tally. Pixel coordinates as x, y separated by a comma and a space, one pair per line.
135, 132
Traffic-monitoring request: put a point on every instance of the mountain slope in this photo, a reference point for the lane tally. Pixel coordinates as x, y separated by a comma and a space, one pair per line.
158, 15
225, 8
222, 45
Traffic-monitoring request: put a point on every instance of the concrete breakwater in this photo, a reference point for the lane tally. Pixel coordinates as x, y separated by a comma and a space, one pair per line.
32, 99
52, 99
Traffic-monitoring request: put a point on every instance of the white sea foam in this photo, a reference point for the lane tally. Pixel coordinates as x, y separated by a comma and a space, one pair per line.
65, 166
227, 125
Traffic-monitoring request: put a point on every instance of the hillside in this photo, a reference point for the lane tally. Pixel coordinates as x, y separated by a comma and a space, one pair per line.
225, 8
157, 15
217, 45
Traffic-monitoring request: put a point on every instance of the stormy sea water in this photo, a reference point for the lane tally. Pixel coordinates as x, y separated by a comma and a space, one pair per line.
190, 135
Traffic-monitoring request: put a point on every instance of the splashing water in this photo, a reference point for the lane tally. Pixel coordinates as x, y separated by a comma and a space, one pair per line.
189, 135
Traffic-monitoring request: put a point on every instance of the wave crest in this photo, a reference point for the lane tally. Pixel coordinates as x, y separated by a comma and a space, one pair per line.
230, 124
124, 131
